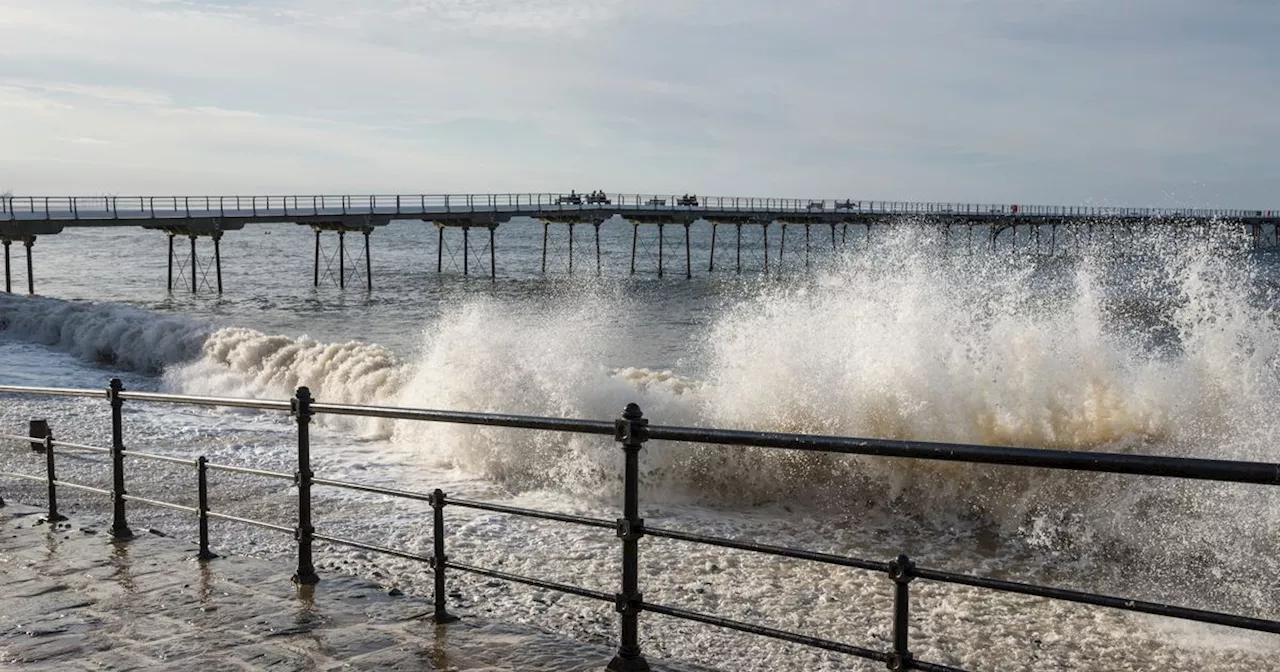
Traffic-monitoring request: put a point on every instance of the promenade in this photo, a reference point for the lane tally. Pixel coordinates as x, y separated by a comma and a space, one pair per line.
72, 599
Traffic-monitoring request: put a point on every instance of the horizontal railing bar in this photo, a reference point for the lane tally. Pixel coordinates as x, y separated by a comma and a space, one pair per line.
404, 494
371, 547
236, 402
80, 446
466, 418
528, 581
159, 503
250, 521
1124, 604
534, 513
19, 437
765, 631
1077, 460
53, 391
250, 470
28, 477
159, 458
869, 565
85, 488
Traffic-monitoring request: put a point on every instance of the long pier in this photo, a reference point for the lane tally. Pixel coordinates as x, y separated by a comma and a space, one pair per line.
24, 218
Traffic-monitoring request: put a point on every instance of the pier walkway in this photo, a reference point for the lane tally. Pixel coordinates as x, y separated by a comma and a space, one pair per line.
24, 218
71, 599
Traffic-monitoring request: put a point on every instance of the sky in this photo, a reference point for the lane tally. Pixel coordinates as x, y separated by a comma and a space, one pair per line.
1168, 103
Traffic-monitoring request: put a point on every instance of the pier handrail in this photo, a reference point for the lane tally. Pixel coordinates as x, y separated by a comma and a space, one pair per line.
632, 431
250, 207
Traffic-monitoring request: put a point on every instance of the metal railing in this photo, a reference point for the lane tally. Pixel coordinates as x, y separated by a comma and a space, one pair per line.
631, 431
267, 208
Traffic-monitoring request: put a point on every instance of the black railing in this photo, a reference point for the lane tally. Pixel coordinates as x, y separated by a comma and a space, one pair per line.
631, 431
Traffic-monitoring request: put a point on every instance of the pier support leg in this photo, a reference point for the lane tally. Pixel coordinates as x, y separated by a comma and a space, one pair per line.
766, 248
342, 259
8, 282
217, 258
570, 248
368, 264
466, 251
833, 238
688, 255
171, 263
739, 249
316, 277
635, 234
806, 247
782, 248
440, 251
195, 277
31, 274
493, 255
545, 227
711, 264
597, 225
660, 246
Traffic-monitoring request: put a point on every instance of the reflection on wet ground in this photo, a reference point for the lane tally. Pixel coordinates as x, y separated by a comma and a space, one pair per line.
73, 599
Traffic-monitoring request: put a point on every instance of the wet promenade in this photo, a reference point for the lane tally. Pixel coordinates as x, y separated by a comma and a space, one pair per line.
72, 599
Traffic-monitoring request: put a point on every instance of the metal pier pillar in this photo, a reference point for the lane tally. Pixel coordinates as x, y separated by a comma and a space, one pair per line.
31, 275
493, 264
8, 282
806, 247
368, 263
466, 251
766, 248
711, 265
739, 250
660, 246
171, 236
833, 238
545, 226
316, 281
597, 225
782, 247
688, 256
440, 251
635, 233
570, 248
195, 276
342, 259
217, 258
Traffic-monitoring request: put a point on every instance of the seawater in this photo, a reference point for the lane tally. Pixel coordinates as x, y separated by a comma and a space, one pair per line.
1159, 344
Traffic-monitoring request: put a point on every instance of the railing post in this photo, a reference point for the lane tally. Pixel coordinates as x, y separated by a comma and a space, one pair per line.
202, 507
306, 575
438, 559
631, 431
901, 571
119, 528
53, 480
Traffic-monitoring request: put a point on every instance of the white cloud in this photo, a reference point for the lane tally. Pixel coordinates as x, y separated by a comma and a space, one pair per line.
1000, 100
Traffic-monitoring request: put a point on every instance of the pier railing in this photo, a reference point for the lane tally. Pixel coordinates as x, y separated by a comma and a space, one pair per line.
631, 431
249, 207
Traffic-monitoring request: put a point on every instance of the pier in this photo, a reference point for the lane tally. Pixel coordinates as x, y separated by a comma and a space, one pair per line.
818, 221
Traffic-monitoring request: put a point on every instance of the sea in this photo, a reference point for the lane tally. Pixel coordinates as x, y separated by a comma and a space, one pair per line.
1161, 339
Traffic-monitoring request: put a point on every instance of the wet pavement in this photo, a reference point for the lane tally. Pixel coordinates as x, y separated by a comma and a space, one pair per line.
71, 598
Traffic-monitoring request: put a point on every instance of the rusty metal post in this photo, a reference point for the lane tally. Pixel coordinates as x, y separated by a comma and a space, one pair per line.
52, 478
119, 527
202, 507
900, 570
38, 429
438, 559
306, 575
631, 430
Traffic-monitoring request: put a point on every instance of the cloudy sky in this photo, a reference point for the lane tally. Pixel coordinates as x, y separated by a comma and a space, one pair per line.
1122, 102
